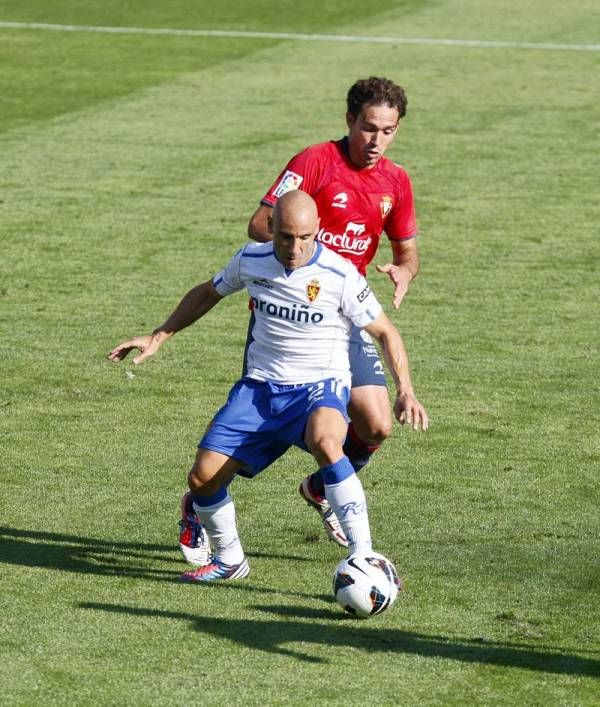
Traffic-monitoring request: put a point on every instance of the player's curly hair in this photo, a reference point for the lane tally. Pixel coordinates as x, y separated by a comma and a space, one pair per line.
376, 91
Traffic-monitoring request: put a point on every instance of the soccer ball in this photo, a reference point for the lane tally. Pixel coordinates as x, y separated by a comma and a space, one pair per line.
365, 584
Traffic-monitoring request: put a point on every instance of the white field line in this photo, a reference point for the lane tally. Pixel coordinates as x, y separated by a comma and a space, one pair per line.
546, 46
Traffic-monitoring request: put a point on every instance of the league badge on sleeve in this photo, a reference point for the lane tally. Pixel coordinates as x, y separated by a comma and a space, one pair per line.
362, 296
386, 205
288, 182
312, 290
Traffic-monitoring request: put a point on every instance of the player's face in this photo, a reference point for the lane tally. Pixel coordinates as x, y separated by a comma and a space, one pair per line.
371, 133
294, 242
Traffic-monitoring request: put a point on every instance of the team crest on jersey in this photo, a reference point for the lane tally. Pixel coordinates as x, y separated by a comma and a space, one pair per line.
312, 290
385, 205
288, 182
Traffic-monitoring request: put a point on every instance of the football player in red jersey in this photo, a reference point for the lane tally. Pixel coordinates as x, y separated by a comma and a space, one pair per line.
359, 194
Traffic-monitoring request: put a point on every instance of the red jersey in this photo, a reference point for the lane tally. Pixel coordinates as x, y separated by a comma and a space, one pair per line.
355, 205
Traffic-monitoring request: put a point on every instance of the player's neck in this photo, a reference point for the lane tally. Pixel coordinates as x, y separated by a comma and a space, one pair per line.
309, 260
355, 162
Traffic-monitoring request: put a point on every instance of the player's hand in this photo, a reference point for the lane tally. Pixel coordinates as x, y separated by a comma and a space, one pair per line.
400, 276
146, 345
409, 411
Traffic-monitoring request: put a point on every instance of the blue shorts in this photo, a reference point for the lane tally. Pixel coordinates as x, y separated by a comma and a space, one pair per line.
260, 420
365, 365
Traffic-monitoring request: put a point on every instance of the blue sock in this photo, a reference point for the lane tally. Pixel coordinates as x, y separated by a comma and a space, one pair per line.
357, 452
211, 500
337, 472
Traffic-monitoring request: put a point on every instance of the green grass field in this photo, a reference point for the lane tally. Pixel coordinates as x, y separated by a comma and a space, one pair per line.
130, 165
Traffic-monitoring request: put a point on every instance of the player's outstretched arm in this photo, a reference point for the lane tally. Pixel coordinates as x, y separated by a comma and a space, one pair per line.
195, 304
407, 409
404, 268
258, 227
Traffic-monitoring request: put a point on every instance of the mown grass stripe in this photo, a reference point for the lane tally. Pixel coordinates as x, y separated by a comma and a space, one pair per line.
366, 39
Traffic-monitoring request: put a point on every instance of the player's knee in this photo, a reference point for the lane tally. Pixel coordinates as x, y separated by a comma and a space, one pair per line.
194, 481
374, 432
326, 449
200, 484
371, 416
380, 432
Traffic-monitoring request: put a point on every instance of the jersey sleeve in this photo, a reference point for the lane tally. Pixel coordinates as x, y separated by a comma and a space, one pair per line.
301, 172
229, 280
359, 303
401, 222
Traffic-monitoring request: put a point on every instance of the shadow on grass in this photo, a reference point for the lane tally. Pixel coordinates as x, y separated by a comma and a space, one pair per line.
305, 626
72, 553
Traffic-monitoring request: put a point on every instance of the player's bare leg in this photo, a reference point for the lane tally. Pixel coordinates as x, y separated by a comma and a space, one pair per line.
371, 416
316, 499
371, 423
343, 491
193, 539
325, 434
211, 471
208, 480
369, 410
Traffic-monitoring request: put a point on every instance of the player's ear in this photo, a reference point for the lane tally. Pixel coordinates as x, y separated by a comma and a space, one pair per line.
350, 120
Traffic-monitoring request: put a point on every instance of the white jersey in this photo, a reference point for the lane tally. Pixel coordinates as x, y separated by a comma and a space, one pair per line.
301, 318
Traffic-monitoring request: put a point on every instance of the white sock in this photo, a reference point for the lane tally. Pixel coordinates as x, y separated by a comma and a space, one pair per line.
347, 498
219, 524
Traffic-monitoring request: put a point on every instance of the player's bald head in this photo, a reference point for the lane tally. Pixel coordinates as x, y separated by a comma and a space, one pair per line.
295, 212
294, 226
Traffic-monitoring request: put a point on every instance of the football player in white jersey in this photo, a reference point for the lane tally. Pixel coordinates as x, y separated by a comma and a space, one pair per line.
295, 389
